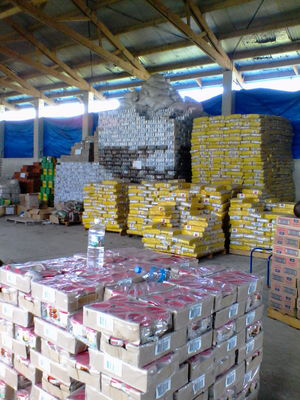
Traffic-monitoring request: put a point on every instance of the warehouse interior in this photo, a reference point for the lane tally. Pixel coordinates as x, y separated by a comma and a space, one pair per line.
149, 188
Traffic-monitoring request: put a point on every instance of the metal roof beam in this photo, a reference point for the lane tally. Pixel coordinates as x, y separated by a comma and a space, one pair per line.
77, 37
109, 35
74, 76
15, 10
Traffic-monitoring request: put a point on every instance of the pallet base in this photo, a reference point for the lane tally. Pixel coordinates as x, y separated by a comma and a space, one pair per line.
291, 321
257, 254
21, 220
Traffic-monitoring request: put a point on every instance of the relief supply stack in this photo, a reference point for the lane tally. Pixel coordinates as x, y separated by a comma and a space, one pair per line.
249, 150
149, 136
48, 177
252, 220
107, 201
68, 332
285, 269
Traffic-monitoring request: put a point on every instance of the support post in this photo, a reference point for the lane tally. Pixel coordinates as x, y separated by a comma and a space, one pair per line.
88, 99
38, 131
228, 95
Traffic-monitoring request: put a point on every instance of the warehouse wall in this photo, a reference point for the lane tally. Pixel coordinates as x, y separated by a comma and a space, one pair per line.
11, 165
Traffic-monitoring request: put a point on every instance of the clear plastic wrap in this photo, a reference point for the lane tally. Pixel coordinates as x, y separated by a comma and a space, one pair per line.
127, 319
87, 335
224, 332
253, 330
26, 336
6, 357
196, 328
136, 290
198, 270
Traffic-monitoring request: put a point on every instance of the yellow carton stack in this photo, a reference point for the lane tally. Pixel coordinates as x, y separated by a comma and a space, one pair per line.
249, 150
107, 201
253, 219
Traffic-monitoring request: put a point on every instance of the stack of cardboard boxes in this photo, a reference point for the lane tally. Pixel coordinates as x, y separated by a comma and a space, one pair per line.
250, 150
63, 326
253, 219
81, 151
48, 178
108, 202
285, 272
29, 178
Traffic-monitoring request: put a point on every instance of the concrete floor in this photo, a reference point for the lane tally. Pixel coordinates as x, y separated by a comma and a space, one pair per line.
280, 376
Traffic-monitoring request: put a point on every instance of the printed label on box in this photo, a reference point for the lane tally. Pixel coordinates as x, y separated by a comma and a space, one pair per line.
163, 345
232, 343
230, 378
113, 365
105, 322
250, 346
194, 345
11, 278
195, 311
77, 152
7, 310
250, 318
233, 310
247, 377
22, 175
163, 388
252, 287
199, 384
48, 294
51, 332
137, 164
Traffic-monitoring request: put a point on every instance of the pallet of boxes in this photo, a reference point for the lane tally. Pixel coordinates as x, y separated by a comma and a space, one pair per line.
284, 303
68, 332
48, 177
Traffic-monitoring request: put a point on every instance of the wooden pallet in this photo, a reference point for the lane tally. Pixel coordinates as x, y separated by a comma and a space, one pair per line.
287, 319
21, 220
256, 254
212, 255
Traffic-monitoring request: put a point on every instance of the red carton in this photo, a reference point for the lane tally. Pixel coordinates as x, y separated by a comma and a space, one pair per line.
287, 241
285, 251
287, 231
288, 221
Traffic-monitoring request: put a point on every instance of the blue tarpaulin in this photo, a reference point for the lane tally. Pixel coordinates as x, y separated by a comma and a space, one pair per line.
61, 133
18, 139
264, 101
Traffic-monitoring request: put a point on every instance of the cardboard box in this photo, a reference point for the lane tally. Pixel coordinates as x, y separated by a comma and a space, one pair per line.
200, 363
54, 354
195, 346
145, 353
253, 362
285, 280
286, 261
29, 200
93, 394
196, 386
234, 343
290, 270
8, 295
58, 336
7, 392
197, 328
225, 364
101, 318
37, 393
229, 313
287, 231
16, 280
6, 327
253, 345
10, 210
115, 389
27, 368
140, 379
79, 369
29, 303
65, 300
10, 376
63, 391
231, 379
288, 221
286, 251
283, 298
48, 366
285, 307
27, 337
287, 241
16, 315
283, 290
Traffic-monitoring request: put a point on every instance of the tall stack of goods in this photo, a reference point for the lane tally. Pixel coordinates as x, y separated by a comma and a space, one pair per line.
250, 150
82, 151
285, 269
48, 177
252, 220
188, 221
29, 178
148, 138
108, 202
111, 334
